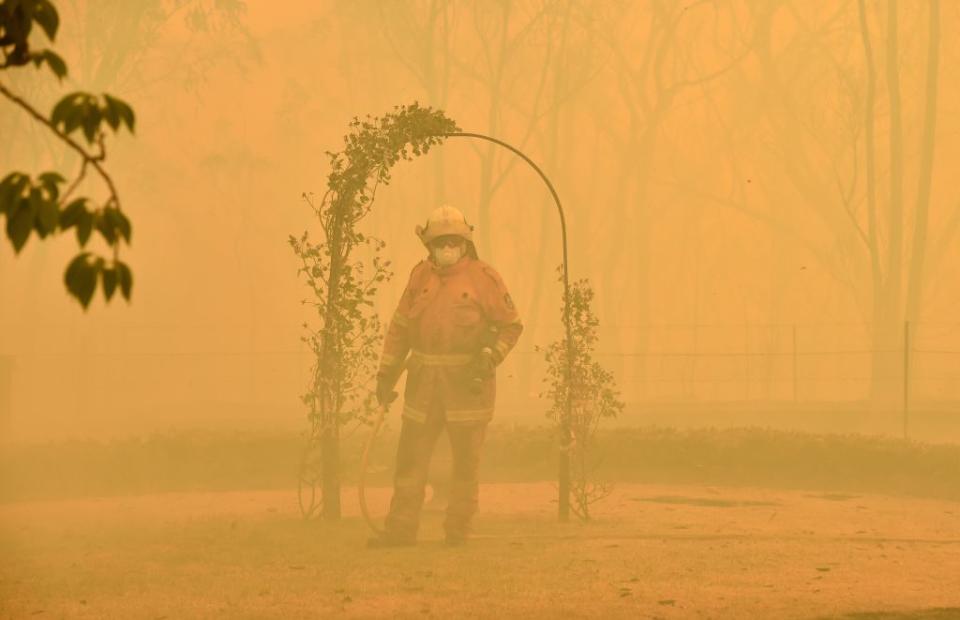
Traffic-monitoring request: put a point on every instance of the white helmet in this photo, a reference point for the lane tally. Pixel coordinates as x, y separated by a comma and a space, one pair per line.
445, 220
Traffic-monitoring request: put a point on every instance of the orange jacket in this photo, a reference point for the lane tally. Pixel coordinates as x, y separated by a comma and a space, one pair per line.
442, 321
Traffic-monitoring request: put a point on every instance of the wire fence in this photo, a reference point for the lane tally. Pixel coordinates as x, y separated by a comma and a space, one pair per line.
782, 363
186, 382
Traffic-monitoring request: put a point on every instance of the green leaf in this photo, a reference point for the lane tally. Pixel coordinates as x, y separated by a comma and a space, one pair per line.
84, 227
11, 190
50, 182
48, 218
7, 180
69, 111
51, 178
122, 109
74, 119
71, 214
81, 278
111, 113
60, 111
91, 121
123, 224
109, 282
48, 214
36, 203
19, 225
56, 63
53, 60
126, 279
104, 224
114, 222
46, 15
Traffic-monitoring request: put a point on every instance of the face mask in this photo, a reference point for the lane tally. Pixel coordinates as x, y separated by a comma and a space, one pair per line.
447, 255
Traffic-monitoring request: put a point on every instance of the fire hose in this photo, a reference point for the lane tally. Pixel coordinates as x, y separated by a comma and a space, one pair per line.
380, 414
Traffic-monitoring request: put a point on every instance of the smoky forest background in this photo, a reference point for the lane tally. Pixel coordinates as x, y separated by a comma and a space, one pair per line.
761, 193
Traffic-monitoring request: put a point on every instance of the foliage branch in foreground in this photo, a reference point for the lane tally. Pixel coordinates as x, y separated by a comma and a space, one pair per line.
590, 390
45, 204
344, 281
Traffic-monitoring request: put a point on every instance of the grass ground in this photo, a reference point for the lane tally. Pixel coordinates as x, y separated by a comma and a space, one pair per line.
655, 551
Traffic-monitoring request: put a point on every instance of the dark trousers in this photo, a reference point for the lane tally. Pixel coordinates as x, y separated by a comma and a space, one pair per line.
413, 465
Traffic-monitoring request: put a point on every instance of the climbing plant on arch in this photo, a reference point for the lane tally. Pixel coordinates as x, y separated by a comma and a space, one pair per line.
345, 340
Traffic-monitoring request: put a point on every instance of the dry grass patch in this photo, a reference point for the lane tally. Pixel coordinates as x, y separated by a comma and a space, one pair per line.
745, 553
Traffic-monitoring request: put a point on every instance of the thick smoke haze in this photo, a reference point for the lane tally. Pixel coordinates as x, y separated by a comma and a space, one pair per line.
712, 162
761, 213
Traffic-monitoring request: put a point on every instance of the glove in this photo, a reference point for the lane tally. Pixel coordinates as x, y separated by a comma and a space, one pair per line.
482, 367
385, 393
485, 364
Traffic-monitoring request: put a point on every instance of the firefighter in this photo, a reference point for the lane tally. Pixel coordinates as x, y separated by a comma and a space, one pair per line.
457, 322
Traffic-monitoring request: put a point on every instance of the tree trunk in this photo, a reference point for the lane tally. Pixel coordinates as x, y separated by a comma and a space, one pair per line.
639, 232
329, 359
888, 317
331, 472
551, 165
915, 283
563, 475
895, 209
493, 129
